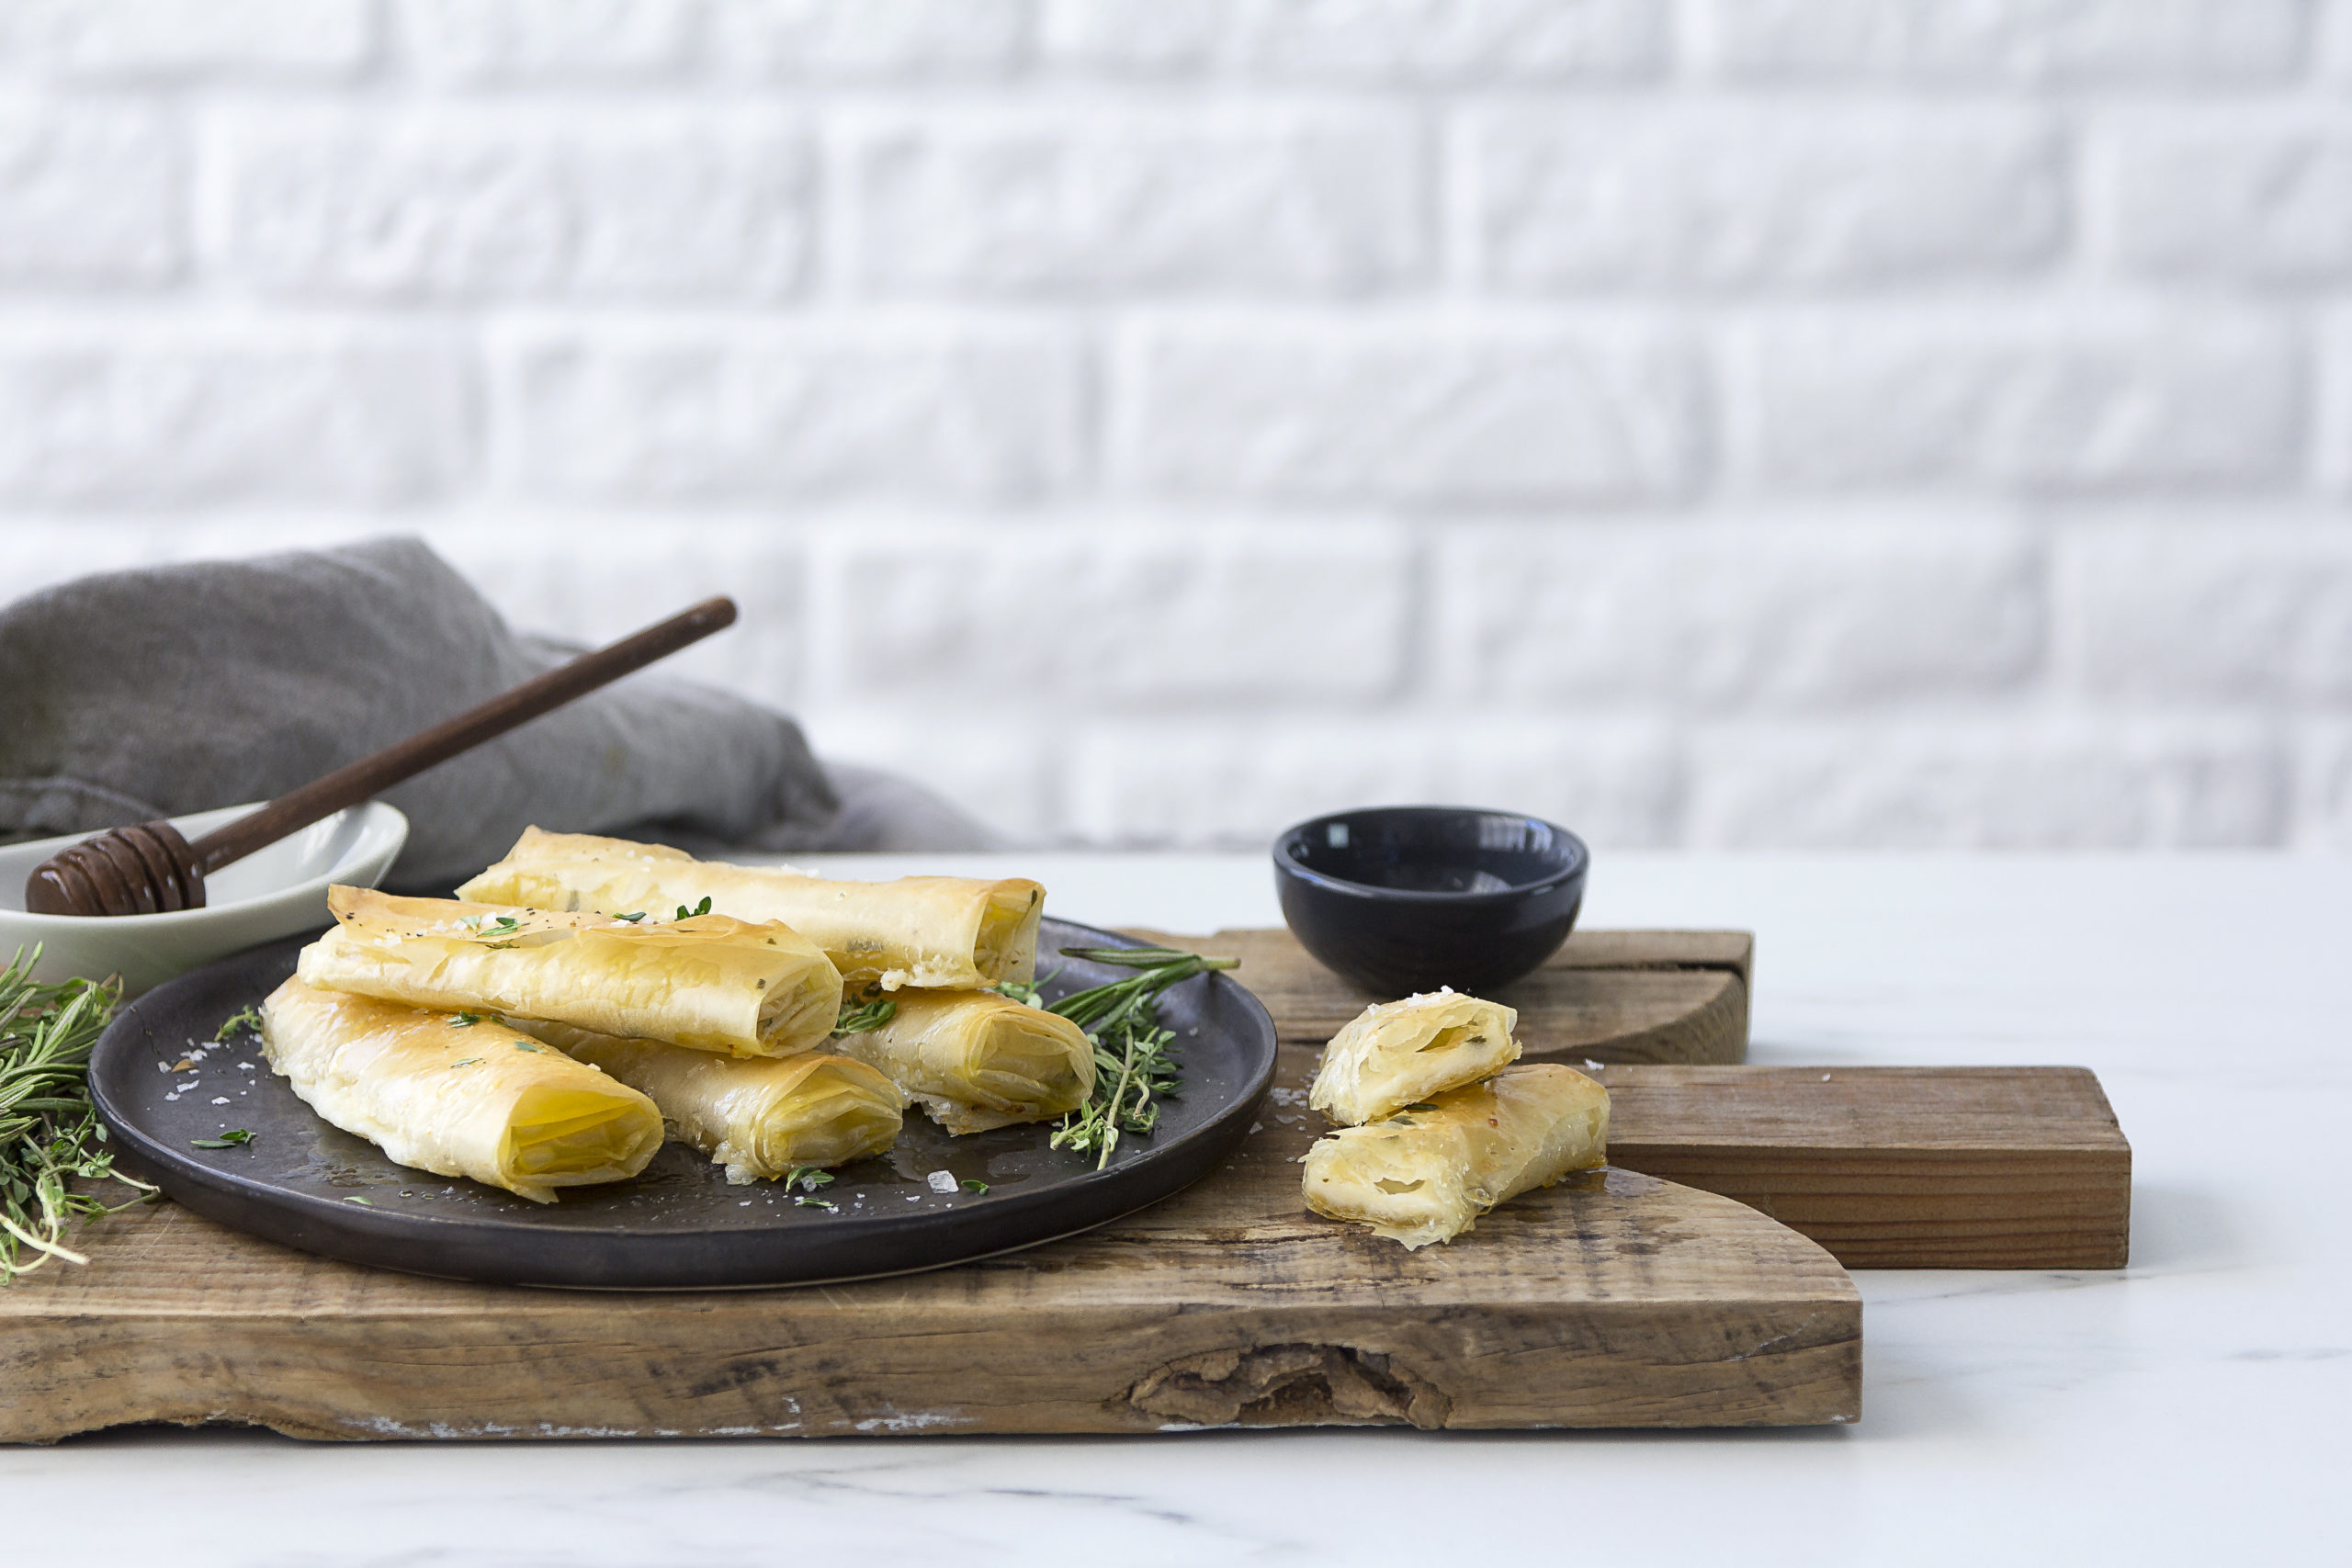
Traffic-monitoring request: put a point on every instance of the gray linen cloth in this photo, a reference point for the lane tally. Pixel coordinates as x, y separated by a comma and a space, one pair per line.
138, 694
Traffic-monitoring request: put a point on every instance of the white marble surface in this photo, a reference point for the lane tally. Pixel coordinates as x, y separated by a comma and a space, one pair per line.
2187, 1409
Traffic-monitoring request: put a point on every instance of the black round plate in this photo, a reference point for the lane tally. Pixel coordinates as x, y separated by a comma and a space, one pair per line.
679, 1226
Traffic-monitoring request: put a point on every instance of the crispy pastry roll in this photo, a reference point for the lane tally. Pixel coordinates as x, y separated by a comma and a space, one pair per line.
712, 983
1427, 1175
478, 1099
1399, 1054
974, 1060
760, 1117
949, 931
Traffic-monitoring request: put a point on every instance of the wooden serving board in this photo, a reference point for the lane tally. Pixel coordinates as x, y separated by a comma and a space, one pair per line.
1888, 1167
1607, 996
1615, 1299
1632, 1299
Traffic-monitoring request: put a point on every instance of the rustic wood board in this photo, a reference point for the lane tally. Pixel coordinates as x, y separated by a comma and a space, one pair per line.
1615, 1301
1633, 1302
1604, 997
1895, 1167
1888, 1167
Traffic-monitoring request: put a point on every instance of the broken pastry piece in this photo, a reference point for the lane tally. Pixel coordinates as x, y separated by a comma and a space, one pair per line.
1427, 1173
760, 1117
1399, 1054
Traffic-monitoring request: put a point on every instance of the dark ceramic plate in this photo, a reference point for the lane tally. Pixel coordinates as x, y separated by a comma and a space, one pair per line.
679, 1226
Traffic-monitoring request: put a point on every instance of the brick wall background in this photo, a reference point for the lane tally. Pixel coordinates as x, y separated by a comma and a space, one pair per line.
1722, 422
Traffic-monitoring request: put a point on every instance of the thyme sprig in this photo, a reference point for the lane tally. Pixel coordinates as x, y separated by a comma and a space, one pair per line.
1132, 1067
863, 1016
50, 1132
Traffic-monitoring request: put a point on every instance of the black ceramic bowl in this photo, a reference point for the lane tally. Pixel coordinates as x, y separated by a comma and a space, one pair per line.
1405, 898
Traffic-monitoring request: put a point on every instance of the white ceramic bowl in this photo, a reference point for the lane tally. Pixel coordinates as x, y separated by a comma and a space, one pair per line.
271, 893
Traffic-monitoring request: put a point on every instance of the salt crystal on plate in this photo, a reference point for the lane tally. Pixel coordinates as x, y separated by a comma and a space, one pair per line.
220, 1100
942, 1180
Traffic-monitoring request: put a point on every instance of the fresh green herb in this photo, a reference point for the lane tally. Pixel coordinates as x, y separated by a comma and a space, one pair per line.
50, 1134
972, 1186
250, 1018
1024, 990
469, 1062
805, 1201
701, 909
464, 1019
1425, 1105
1132, 1067
807, 1178
633, 917
236, 1139
359, 1200
520, 1046
863, 1017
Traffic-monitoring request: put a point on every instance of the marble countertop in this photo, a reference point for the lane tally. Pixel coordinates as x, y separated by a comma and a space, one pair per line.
2187, 1409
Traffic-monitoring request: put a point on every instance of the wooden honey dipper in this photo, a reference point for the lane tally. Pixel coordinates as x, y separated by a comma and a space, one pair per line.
149, 868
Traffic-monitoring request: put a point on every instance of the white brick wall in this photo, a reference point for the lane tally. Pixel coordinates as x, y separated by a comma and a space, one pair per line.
1713, 422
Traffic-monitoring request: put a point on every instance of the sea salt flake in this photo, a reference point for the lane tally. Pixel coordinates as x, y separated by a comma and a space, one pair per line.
942, 1180
220, 1099
173, 1095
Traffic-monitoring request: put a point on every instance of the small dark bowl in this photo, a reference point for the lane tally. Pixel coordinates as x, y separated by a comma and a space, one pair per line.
1405, 899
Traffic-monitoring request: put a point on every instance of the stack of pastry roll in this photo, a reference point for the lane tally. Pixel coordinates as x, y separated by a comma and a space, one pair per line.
425, 1025
933, 948
1436, 1125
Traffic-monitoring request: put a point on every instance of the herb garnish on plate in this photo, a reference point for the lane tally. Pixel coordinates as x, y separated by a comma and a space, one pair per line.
1132, 1067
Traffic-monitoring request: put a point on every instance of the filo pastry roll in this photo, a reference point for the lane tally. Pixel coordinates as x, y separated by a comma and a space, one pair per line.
952, 932
478, 1101
712, 981
974, 1060
1399, 1054
1426, 1175
760, 1117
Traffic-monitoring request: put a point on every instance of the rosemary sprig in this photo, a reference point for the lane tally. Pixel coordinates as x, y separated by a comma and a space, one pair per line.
1132, 1067
50, 1134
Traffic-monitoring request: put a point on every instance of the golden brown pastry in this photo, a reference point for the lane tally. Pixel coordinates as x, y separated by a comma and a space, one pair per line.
713, 983
947, 931
1399, 1054
476, 1099
1426, 1175
760, 1117
974, 1060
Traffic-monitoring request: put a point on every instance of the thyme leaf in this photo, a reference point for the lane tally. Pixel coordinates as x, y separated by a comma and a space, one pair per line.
863, 1017
247, 1018
235, 1139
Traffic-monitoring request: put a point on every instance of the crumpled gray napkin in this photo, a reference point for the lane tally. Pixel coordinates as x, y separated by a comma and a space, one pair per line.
138, 694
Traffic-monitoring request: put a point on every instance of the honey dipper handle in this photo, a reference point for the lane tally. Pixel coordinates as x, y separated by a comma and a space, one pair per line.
541, 693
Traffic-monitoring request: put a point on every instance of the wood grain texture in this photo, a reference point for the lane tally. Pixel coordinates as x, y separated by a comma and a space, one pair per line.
1895, 1167
1604, 997
1608, 1301
1635, 1301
